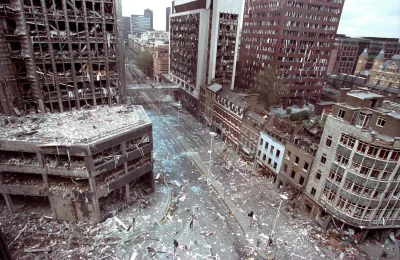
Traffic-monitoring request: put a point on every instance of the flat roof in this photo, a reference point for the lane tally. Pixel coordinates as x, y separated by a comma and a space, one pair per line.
364, 95
74, 127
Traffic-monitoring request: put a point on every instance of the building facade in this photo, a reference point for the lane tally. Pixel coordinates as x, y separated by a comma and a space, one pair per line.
139, 24
149, 13
271, 145
126, 21
75, 163
374, 45
203, 43
229, 110
58, 57
355, 178
293, 39
167, 14
300, 151
344, 56
386, 73
250, 129
208, 95
161, 61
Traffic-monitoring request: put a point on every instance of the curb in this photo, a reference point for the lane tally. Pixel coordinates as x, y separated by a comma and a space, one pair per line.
170, 203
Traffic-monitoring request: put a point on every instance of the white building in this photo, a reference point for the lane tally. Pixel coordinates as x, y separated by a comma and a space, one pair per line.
271, 145
201, 52
270, 152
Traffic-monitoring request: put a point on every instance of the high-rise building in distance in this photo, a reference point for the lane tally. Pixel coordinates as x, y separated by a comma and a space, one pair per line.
149, 13
167, 14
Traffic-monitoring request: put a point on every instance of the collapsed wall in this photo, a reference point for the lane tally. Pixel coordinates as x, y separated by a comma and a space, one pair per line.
76, 161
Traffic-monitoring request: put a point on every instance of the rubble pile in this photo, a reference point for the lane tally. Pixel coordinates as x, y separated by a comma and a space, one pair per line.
36, 232
71, 127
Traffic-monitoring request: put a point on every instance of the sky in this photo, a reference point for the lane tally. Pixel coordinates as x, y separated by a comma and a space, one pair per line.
359, 17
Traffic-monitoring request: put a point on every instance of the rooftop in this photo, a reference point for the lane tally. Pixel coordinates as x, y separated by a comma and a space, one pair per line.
214, 87
240, 99
364, 95
76, 127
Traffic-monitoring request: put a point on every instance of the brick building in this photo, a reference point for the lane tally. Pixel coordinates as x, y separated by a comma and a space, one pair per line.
161, 61
300, 151
229, 110
355, 178
293, 38
344, 56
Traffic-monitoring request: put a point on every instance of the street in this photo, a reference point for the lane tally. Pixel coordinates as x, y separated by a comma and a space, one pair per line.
195, 197
181, 151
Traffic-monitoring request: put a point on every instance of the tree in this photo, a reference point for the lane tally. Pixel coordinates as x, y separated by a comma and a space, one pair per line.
270, 87
144, 61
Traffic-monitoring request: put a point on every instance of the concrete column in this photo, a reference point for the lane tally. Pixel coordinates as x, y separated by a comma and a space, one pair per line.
6, 196
363, 236
326, 223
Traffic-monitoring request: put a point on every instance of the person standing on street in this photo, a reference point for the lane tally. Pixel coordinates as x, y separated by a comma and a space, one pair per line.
250, 216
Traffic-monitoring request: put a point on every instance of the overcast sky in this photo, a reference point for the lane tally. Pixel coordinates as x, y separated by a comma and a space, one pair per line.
374, 18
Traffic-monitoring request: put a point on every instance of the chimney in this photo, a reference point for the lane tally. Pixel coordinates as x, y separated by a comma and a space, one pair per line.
254, 99
342, 94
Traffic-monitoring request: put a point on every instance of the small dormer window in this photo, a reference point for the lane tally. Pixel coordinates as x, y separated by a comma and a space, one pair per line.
381, 121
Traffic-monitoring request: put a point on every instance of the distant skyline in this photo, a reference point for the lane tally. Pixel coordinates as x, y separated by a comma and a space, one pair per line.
359, 18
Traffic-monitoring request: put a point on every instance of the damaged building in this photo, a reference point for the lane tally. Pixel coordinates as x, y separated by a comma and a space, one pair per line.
204, 38
300, 151
60, 54
355, 179
81, 164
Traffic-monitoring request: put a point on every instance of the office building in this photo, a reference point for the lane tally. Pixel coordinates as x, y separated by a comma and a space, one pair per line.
344, 55
203, 43
139, 24
292, 38
149, 13
167, 14
57, 56
126, 21
355, 179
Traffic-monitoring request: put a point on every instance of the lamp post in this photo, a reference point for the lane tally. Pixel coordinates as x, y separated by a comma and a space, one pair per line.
212, 134
283, 197
269, 251
179, 107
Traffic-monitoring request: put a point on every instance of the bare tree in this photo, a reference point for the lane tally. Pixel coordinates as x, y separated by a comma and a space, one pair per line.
270, 87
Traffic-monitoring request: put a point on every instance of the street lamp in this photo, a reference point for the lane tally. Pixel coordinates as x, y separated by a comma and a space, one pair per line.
283, 197
179, 107
212, 134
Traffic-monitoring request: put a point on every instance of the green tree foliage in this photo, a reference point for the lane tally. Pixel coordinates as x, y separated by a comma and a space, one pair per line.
304, 114
144, 61
270, 87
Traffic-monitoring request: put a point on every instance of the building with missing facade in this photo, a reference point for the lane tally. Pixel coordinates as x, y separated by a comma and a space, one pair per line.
203, 45
355, 178
58, 54
81, 164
